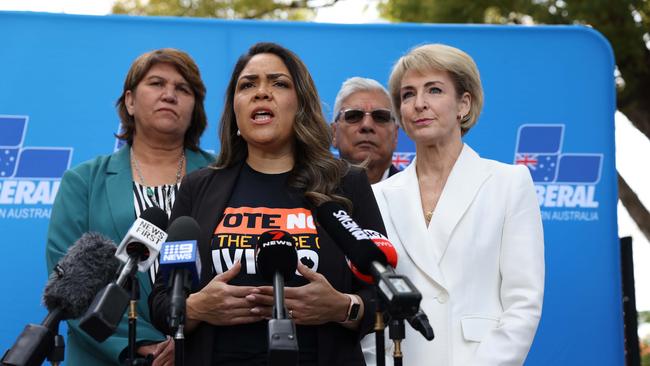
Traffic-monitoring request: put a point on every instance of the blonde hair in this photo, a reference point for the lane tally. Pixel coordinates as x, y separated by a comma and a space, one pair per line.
460, 66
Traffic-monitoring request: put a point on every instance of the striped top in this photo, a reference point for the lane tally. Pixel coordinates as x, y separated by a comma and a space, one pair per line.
163, 197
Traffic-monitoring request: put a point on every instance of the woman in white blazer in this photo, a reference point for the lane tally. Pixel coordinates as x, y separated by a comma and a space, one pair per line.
467, 230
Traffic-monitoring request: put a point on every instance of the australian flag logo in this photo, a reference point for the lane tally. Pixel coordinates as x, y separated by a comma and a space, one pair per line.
402, 159
18, 162
539, 147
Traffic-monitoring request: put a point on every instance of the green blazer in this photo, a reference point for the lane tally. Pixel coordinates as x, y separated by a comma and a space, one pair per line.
97, 195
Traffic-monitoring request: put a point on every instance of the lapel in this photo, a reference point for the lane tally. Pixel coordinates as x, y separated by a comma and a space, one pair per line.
119, 190
119, 181
466, 178
426, 246
402, 196
213, 198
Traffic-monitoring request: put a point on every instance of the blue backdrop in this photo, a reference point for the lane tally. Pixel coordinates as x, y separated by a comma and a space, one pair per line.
550, 102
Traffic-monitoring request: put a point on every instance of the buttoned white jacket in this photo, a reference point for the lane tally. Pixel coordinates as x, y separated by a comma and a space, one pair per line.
479, 264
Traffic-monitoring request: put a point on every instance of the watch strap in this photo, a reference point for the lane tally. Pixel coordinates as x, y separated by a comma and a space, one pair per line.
353, 309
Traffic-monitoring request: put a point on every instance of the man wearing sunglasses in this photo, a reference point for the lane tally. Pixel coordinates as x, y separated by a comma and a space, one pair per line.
364, 127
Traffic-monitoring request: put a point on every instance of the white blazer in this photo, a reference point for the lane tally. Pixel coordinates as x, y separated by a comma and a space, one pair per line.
479, 264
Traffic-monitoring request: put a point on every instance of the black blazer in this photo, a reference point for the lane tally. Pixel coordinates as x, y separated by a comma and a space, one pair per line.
392, 170
204, 195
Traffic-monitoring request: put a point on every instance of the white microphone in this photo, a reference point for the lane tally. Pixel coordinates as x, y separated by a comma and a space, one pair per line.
140, 248
143, 241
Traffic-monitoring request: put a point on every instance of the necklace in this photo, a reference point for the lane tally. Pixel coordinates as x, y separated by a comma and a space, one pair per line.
428, 215
150, 193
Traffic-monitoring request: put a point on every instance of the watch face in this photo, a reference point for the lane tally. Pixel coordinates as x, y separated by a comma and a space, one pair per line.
354, 311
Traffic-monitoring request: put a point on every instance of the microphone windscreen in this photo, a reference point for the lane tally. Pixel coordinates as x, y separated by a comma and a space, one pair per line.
353, 241
156, 216
87, 266
276, 252
184, 228
180, 251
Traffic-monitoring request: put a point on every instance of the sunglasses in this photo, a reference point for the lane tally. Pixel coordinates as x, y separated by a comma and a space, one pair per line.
356, 115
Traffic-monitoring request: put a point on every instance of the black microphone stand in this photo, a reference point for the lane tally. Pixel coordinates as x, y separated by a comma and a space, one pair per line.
179, 346
133, 359
379, 332
400, 299
181, 282
57, 354
37, 342
133, 317
397, 332
283, 344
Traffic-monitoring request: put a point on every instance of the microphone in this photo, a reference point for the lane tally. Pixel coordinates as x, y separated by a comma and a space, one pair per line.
180, 265
138, 250
385, 246
142, 242
419, 321
397, 291
401, 297
87, 266
276, 260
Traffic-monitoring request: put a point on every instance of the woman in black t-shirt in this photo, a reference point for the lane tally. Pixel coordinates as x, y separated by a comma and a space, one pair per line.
274, 167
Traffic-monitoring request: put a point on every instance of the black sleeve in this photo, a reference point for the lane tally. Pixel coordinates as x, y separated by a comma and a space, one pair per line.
159, 297
365, 212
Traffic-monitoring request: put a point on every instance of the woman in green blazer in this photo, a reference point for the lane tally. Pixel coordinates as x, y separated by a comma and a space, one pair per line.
162, 115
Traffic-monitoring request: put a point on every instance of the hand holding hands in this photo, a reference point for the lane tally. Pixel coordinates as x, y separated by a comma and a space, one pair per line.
163, 352
314, 303
219, 303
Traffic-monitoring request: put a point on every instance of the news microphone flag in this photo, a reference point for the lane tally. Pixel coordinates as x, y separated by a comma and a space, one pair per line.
179, 255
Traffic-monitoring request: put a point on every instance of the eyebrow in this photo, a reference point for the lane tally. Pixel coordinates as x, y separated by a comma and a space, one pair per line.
271, 76
154, 76
427, 84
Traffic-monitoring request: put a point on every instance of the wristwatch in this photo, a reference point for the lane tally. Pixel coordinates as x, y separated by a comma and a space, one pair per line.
353, 309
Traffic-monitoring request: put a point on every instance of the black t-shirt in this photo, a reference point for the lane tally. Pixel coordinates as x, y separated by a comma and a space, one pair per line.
261, 202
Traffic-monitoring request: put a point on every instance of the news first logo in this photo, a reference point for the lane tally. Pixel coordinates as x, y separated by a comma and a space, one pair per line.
29, 176
149, 232
565, 182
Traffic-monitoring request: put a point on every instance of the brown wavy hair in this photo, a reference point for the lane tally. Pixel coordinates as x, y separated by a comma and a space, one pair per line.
316, 171
190, 72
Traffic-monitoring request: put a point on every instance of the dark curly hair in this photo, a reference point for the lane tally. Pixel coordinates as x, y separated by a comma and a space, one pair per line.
316, 172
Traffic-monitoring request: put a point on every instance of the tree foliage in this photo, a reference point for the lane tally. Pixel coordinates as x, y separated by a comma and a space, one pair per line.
625, 23
227, 9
